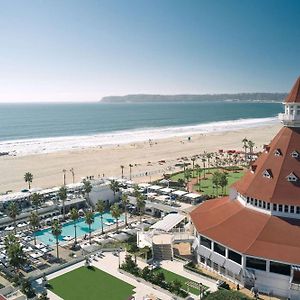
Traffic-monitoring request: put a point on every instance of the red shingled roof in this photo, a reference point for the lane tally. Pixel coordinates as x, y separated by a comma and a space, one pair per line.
276, 189
248, 231
294, 95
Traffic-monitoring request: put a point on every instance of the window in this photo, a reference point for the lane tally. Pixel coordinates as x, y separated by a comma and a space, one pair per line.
255, 202
292, 209
298, 210
205, 242
268, 206
202, 259
280, 207
286, 209
251, 201
277, 152
279, 268
267, 173
219, 249
235, 256
274, 207
259, 203
255, 263
295, 154
292, 177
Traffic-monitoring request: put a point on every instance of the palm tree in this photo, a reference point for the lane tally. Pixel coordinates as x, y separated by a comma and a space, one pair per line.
251, 145
114, 186
73, 175
116, 213
15, 253
28, 177
87, 188
62, 194
140, 204
122, 171
193, 164
89, 219
187, 175
245, 146
64, 176
100, 208
75, 217
13, 212
56, 230
203, 161
209, 157
125, 202
34, 223
36, 200
130, 171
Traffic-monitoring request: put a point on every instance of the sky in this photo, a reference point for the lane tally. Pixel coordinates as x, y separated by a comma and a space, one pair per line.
69, 50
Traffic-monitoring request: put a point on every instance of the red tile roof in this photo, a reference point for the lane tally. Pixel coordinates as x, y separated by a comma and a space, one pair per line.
247, 231
294, 95
276, 189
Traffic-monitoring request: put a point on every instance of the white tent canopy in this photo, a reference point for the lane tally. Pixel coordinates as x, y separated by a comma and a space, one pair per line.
166, 190
179, 193
168, 222
192, 196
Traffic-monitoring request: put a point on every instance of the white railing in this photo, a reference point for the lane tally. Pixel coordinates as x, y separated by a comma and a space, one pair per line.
290, 118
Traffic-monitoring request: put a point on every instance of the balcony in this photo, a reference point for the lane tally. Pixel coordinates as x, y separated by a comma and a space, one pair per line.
290, 120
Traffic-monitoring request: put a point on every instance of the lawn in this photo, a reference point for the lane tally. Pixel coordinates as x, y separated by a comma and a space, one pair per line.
90, 284
206, 185
170, 276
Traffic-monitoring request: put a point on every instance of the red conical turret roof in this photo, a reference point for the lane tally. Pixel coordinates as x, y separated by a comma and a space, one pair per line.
294, 95
274, 172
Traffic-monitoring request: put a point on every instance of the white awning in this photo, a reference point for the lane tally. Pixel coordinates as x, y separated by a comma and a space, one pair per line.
179, 193
154, 187
168, 222
204, 251
218, 259
192, 196
232, 266
166, 190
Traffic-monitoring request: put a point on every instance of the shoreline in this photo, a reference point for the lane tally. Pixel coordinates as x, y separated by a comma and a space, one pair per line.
144, 156
30, 146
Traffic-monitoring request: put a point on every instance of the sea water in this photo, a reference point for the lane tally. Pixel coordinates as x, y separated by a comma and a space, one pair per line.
43, 128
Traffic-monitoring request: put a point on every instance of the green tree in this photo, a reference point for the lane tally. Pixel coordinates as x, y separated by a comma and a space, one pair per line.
56, 230
130, 171
74, 218
28, 177
193, 166
13, 212
62, 194
125, 202
251, 146
87, 188
116, 213
36, 200
89, 219
216, 181
44, 296
187, 176
203, 162
100, 208
34, 223
176, 286
14, 251
223, 181
114, 186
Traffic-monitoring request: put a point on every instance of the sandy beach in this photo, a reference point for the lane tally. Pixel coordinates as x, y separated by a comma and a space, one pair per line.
47, 168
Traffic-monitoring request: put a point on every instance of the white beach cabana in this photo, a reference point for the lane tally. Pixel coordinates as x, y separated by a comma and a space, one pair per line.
179, 193
166, 190
154, 188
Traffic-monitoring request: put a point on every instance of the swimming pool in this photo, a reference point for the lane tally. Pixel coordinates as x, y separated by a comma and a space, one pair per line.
46, 237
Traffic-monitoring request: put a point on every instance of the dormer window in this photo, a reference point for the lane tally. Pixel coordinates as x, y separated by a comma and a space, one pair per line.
267, 173
277, 152
292, 177
295, 154
253, 168
266, 148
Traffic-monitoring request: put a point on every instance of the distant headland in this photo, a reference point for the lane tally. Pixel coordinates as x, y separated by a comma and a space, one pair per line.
143, 98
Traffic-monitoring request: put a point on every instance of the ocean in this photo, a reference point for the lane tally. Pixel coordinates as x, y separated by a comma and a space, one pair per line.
44, 128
